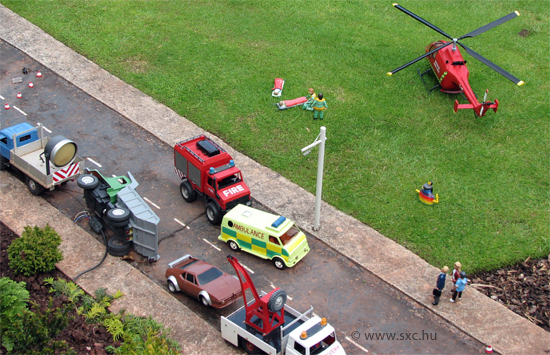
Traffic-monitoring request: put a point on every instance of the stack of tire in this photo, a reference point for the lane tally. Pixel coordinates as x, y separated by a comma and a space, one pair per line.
116, 218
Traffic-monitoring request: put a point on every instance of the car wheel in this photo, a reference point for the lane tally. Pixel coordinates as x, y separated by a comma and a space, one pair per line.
204, 301
233, 245
213, 213
279, 263
118, 215
87, 182
277, 301
117, 247
171, 286
187, 191
34, 187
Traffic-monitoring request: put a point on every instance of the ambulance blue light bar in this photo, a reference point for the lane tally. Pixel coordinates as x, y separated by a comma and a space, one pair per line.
278, 222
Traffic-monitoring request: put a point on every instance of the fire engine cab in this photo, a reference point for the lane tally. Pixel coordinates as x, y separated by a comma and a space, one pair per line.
206, 169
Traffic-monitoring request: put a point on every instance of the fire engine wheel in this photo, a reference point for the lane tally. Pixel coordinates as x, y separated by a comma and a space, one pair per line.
279, 263
213, 213
34, 187
87, 182
117, 215
277, 301
233, 245
172, 287
187, 191
117, 247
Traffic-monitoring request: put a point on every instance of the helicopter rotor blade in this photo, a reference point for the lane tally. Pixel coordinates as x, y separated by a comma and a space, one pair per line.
492, 65
417, 59
420, 19
491, 25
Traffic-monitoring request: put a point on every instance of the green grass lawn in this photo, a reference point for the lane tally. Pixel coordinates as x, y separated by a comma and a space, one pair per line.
214, 62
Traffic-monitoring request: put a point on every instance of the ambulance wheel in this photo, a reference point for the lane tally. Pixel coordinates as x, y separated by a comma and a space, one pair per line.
34, 187
213, 213
277, 301
187, 191
117, 247
279, 263
233, 245
87, 182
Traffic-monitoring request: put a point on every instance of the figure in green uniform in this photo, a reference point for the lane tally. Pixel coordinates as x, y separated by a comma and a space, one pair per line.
319, 106
308, 105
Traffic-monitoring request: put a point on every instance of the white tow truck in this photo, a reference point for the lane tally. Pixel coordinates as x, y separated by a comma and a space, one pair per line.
267, 325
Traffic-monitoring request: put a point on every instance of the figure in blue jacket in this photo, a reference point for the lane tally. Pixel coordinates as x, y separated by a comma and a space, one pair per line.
440, 285
460, 286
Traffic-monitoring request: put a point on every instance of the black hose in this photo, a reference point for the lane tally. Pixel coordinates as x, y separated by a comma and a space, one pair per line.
101, 262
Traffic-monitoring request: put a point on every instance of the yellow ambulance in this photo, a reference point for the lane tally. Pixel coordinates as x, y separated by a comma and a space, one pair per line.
265, 235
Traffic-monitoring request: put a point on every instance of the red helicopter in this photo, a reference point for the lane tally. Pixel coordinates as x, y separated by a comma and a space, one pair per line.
450, 68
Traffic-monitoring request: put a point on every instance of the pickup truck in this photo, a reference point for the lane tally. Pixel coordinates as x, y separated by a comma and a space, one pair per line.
46, 162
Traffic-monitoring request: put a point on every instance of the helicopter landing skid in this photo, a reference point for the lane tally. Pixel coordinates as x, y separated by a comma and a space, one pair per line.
424, 82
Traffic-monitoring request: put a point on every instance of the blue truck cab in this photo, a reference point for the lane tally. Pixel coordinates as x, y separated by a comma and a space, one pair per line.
7, 134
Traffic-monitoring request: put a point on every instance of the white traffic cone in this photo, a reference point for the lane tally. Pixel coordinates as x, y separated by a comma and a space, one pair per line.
38, 74
489, 349
31, 84
7, 106
19, 95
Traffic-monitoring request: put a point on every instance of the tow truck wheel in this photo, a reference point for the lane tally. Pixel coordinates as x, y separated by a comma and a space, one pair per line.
117, 247
187, 191
87, 182
233, 245
213, 213
277, 301
34, 187
250, 348
279, 263
171, 286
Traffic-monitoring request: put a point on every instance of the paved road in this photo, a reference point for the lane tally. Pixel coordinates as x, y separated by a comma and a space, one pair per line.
357, 303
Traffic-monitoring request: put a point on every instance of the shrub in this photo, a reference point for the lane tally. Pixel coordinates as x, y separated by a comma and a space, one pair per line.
36, 251
13, 300
34, 332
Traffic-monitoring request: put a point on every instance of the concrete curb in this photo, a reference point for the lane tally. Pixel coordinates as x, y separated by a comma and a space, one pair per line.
477, 315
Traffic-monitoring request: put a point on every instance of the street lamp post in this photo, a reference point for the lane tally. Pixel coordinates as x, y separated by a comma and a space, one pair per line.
320, 140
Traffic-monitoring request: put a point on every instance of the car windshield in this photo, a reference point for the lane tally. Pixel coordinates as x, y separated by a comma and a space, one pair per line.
209, 276
285, 238
230, 180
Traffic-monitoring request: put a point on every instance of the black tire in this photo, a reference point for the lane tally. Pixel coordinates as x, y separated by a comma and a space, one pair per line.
34, 187
277, 301
117, 247
279, 263
187, 191
3, 162
118, 214
250, 348
172, 287
87, 182
213, 213
204, 301
233, 245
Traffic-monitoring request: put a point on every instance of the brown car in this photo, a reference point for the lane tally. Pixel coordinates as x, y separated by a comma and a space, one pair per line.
203, 281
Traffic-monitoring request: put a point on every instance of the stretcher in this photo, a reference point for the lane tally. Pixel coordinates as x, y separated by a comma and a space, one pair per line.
283, 105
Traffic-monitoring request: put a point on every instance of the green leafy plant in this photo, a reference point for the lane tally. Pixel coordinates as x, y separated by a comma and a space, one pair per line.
115, 327
154, 343
36, 251
33, 332
13, 301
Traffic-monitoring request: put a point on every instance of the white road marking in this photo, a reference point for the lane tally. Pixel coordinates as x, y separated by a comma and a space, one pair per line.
45, 129
247, 268
18, 109
2, 97
212, 245
180, 222
357, 345
151, 202
95, 162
